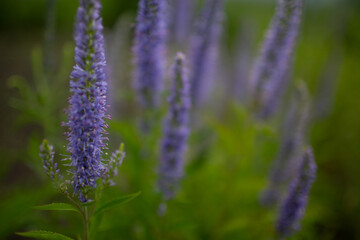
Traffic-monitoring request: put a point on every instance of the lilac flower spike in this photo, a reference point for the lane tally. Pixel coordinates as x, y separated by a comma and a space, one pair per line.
292, 139
47, 156
182, 11
176, 131
113, 164
293, 207
88, 101
50, 34
271, 71
203, 49
149, 51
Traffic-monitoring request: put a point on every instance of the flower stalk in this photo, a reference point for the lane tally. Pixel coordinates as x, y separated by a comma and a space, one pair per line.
176, 131
293, 207
271, 72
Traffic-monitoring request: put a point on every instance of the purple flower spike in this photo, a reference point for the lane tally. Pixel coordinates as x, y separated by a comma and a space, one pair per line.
149, 52
293, 207
176, 131
88, 100
271, 71
292, 139
113, 164
204, 48
182, 12
47, 156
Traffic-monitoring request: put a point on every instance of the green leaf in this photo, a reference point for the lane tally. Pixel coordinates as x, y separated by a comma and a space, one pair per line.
57, 207
115, 202
44, 235
88, 203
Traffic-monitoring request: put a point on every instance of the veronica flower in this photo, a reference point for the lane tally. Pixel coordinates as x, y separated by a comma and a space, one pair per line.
113, 164
149, 51
292, 139
326, 87
176, 131
49, 41
271, 71
47, 155
203, 49
88, 100
293, 207
118, 63
182, 15
240, 62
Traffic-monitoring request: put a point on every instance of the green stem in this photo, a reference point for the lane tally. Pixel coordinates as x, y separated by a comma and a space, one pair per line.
86, 223
83, 211
72, 200
97, 199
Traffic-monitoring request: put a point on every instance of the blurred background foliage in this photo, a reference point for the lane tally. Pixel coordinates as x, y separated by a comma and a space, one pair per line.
229, 155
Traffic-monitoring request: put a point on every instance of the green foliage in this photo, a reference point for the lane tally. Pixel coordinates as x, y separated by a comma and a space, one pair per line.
45, 235
57, 207
114, 203
16, 208
40, 104
88, 203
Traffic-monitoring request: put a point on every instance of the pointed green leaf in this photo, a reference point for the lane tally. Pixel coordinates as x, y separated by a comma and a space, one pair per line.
44, 235
115, 202
57, 207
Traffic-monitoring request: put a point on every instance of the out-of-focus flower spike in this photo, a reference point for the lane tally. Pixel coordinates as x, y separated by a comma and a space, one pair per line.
149, 51
292, 140
271, 71
113, 164
117, 44
327, 86
241, 62
176, 131
294, 205
47, 155
87, 109
203, 50
50, 34
183, 11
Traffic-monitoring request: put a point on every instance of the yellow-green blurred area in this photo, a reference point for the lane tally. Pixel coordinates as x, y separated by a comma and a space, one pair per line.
228, 161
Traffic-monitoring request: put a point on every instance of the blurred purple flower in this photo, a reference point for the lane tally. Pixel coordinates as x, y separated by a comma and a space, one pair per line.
49, 55
182, 15
47, 156
203, 49
271, 71
88, 101
292, 139
176, 130
113, 164
326, 88
241, 61
293, 207
118, 62
149, 51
